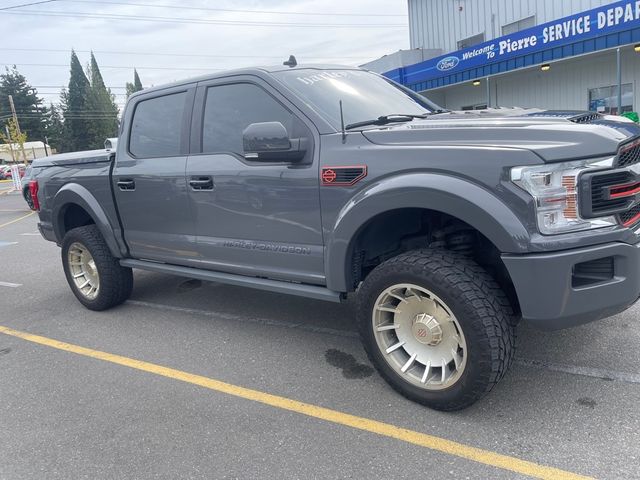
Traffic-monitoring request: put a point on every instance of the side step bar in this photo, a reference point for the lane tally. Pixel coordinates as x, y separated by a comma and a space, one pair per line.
299, 289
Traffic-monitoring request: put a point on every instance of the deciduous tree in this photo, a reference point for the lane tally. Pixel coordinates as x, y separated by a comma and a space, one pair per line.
30, 111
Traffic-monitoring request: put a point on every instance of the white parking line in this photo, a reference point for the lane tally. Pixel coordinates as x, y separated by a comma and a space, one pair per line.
10, 285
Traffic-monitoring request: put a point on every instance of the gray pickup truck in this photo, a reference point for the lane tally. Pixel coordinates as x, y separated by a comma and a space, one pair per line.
319, 181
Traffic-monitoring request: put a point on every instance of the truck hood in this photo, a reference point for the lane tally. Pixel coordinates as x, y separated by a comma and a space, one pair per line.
553, 135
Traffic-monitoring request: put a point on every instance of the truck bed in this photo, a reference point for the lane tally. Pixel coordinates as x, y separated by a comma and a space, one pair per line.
74, 158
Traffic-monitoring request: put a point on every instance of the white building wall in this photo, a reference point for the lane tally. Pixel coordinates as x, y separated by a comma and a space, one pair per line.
566, 86
440, 24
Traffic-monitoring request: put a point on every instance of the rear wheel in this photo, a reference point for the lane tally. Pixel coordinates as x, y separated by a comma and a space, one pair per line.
437, 327
94, 275
27, 196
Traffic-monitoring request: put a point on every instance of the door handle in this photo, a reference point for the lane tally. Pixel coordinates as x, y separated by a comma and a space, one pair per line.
201, 183
127, 184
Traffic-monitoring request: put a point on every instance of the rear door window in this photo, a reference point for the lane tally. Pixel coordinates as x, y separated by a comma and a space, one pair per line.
156, 128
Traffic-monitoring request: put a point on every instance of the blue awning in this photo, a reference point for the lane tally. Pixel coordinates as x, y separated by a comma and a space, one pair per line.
602, 28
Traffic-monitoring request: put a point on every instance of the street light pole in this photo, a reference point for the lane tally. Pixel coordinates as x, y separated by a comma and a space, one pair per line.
488, 93
619, 67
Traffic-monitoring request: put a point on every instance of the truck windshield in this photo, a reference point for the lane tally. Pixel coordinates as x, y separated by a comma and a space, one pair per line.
364, 95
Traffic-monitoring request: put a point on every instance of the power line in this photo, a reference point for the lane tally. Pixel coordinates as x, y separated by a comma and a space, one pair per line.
58, 93
166, 54
27, 4
209, 9
73, 112
65, 86
52, 13
208, 69
66, 117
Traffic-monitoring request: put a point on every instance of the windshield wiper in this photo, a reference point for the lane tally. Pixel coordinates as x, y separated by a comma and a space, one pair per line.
392, 118
386, 119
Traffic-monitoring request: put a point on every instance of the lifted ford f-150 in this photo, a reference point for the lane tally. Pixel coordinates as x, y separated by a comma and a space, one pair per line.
320, 181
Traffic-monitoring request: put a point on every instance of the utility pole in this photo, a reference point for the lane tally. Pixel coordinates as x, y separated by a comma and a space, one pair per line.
15, 119
10, 141
46, 142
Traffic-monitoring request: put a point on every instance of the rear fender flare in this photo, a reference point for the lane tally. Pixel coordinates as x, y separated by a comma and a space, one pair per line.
75, 194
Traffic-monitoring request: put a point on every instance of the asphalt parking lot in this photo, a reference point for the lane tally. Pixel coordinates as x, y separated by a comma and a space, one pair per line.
233, 380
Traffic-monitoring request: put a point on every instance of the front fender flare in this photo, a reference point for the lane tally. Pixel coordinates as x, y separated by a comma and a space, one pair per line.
453, 196
75, 194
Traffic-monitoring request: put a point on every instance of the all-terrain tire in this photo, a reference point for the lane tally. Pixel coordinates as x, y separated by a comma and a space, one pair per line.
115, 281
481, 309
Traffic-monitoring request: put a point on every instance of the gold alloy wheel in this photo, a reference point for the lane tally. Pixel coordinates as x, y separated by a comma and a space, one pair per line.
83, 270
419, 336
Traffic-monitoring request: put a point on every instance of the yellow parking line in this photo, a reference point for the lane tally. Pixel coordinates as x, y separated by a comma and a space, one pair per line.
384, 429
17, 219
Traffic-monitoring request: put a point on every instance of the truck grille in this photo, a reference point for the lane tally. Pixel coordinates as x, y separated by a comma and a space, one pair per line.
631, 217
600, 185
629, 154
614, 192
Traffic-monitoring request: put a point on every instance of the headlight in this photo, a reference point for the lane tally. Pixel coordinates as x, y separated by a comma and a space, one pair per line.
554, 189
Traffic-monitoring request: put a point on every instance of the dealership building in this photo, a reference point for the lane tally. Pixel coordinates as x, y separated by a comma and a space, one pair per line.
552, 54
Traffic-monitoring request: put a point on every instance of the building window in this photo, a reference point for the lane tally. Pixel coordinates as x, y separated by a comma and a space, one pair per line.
480, 106
605, 99
471, 41
523, 24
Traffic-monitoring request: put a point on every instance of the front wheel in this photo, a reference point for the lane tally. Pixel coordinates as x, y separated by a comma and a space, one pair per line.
94, 275
437, 327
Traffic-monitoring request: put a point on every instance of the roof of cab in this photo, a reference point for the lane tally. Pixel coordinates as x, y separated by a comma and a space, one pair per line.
243, 71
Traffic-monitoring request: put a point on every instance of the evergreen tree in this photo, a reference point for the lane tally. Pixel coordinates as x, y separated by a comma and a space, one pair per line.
102, 108
31, 113
74, 109
136, 86
55, 129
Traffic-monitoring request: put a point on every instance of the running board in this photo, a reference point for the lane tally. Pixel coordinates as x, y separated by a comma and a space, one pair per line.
299, 289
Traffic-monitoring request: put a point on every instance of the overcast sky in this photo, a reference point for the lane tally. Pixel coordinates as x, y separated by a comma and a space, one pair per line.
46, 32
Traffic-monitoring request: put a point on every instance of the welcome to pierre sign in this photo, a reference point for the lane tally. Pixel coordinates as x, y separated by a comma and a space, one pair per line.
611, 18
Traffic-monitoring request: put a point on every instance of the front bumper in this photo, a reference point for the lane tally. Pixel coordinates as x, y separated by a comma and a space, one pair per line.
553, 293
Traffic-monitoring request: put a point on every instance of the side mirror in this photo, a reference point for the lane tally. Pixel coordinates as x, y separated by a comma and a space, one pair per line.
110, 144
270, 142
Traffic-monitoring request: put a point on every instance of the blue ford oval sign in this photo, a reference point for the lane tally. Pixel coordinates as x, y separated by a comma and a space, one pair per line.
448, 63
